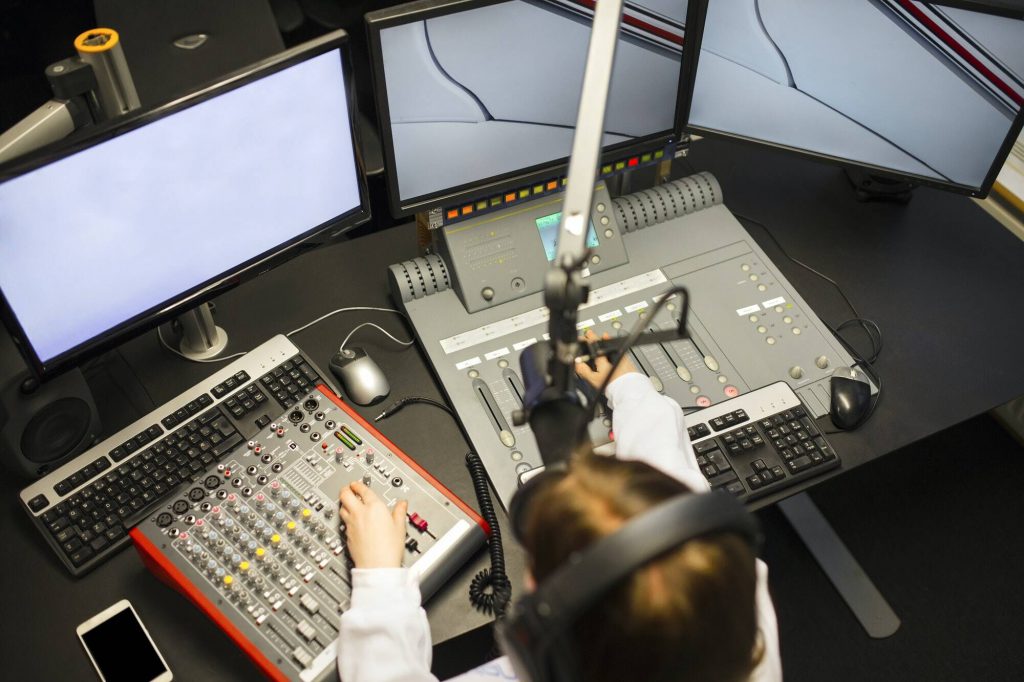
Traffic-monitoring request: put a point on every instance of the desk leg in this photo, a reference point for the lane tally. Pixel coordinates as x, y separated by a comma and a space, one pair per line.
853, 584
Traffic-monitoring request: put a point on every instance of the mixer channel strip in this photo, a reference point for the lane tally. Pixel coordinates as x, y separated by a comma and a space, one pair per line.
758, 443
255, 540
85, 508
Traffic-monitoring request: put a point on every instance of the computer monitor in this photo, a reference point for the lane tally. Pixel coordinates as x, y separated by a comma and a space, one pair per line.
477, 97
928, 91
159, 212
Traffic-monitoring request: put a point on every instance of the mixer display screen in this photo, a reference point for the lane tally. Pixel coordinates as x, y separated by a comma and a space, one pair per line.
548, 228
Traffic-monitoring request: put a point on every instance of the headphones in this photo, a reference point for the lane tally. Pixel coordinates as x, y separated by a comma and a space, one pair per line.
535, 635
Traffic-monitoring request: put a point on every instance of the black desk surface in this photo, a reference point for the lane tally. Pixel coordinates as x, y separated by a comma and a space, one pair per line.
939, 276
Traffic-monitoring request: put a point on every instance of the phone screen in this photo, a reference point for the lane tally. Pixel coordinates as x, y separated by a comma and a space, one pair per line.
122, 650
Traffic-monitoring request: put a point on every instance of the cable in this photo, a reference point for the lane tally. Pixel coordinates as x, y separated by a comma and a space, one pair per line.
870, 327
395, 407
805, 266
164, 343
160, 335
344, 310
876, 338
490, 591
383, 331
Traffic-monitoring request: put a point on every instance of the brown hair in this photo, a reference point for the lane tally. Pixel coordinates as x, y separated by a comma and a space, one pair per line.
688, 615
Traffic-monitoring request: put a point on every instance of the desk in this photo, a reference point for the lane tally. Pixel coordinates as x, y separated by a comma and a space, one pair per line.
941, 278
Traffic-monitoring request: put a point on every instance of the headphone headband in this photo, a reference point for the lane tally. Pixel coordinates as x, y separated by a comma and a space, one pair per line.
531, 634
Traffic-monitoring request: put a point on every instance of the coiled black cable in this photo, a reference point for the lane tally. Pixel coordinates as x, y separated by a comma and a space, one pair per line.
490, 591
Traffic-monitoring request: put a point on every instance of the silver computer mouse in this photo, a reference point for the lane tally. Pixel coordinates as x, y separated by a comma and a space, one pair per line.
361, 378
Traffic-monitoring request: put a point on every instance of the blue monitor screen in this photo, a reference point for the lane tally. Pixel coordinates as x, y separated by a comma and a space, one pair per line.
548, 228
99, 237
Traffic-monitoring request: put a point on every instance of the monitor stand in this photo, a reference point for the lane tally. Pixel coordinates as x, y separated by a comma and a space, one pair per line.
870, 187
201, 339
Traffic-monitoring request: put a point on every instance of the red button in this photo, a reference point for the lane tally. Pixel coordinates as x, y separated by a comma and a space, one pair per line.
703, 401
732, 391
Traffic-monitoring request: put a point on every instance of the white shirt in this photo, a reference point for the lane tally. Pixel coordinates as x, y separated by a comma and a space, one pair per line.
384, 634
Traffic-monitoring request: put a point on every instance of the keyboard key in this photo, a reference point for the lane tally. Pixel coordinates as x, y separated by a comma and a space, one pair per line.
169, 421
754, 481
81, 556
205, 400
705, 447
736, 488
778, 473
154, 431
38, 503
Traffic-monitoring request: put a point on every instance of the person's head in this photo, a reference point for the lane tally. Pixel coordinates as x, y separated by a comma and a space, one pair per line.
688, 615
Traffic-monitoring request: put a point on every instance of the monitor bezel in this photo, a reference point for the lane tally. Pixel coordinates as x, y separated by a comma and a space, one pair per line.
205, 291
691, 56
428, 9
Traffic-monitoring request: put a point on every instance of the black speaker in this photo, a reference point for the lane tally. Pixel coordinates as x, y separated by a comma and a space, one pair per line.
42, 428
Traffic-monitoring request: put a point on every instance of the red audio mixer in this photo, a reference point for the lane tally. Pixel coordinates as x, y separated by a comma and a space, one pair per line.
256, 544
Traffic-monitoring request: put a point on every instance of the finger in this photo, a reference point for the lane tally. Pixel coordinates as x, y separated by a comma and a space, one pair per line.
344, 513
364, 492
584, 371
399, 512
589, 335
348, 498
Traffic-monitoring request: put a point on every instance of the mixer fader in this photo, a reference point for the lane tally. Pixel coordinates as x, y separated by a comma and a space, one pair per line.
256, 541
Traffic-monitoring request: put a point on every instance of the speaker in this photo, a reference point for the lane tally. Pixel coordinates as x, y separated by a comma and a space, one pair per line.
44, 425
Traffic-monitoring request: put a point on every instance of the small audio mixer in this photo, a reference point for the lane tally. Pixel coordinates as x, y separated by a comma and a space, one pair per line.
256, 543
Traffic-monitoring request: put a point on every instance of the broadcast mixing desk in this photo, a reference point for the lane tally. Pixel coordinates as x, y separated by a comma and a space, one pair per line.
942, 280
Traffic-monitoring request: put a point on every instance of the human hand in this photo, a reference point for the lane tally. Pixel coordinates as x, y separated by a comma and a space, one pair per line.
375, 534
604, 367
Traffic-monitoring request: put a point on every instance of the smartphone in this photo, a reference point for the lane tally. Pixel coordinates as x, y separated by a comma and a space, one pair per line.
120, 647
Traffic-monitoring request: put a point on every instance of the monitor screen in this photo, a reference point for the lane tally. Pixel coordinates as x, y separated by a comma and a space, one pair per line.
474, 92
150, 217
913, 88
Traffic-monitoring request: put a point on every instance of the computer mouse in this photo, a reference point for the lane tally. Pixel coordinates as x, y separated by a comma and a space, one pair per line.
851, 397
361, 378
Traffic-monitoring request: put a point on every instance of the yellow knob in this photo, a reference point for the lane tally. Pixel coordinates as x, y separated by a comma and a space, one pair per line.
306, 513
260, 551
291, 526
244, 566
275, 538
228, 580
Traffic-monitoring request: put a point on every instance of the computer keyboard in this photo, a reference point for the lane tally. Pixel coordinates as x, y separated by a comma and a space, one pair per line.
759, 442
86, 507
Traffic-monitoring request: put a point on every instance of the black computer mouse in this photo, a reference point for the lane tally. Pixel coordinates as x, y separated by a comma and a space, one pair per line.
851, 398
361, 378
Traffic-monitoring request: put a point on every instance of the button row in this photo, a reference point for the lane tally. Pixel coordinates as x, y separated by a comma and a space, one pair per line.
133, 444
728, 420
191, 408
73, 481
245, 401
230, 384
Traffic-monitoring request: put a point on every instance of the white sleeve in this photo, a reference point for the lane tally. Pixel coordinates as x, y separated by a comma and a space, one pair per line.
770, 667
384, 634
650, 427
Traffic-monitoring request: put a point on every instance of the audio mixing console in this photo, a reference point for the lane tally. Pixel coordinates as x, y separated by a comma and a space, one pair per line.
255, 542
478, 302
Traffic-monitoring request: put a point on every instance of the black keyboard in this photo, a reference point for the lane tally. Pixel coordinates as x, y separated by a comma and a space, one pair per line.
759, 442
86, 507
